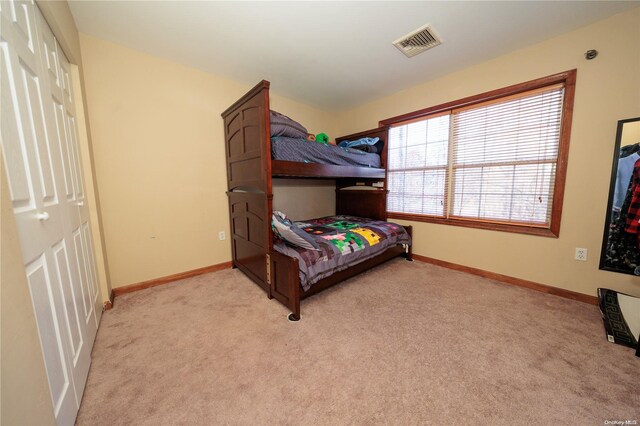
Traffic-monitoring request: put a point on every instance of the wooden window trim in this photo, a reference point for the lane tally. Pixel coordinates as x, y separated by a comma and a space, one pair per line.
568, 79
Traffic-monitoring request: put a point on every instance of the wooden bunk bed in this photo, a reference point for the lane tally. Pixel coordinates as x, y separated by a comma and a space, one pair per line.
250, 170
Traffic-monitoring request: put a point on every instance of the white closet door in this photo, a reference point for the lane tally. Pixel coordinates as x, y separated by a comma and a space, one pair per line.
80, 226
41, 156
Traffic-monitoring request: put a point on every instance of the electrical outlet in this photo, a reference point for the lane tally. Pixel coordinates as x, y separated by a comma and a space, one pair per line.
581, 254
221, 235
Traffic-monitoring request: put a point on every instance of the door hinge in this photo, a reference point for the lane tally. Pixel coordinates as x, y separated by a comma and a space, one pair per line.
269, 269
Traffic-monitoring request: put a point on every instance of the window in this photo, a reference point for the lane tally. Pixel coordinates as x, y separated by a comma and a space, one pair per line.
495, 161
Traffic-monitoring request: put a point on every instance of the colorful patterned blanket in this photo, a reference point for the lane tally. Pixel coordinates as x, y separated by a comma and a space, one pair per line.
344, 241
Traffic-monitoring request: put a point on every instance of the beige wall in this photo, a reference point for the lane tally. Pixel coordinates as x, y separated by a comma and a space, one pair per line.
158, 144
24, 390
304, 199
630, 133
608, 89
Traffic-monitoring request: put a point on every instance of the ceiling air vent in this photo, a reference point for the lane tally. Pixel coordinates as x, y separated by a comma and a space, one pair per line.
424, 38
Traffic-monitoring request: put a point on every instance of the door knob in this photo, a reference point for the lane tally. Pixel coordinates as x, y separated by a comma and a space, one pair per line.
42, 216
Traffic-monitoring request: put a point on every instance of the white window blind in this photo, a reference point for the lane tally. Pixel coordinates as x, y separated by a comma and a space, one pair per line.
494, 161
504, 158
417, 172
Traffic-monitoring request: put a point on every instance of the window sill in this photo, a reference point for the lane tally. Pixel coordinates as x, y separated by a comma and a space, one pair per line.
491, 226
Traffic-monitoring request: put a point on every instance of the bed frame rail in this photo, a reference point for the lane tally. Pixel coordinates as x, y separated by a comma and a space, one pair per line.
284, 280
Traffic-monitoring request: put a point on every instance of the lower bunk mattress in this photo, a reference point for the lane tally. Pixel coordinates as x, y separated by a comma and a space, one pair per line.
303, 151
344, 241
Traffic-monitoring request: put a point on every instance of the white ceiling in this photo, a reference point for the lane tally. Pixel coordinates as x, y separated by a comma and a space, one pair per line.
332, 54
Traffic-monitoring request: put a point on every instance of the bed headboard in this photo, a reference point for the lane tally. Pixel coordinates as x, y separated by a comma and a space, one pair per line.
371, 203
247, 141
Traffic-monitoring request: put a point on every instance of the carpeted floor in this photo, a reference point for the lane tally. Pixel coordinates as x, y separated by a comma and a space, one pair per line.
405, 343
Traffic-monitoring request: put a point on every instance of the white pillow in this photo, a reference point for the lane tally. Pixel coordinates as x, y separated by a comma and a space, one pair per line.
289, 232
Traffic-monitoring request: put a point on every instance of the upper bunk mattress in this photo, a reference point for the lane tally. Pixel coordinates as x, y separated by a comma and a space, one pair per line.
344, 241
303, 151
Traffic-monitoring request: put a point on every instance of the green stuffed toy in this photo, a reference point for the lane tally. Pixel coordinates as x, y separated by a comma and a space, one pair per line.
322, 138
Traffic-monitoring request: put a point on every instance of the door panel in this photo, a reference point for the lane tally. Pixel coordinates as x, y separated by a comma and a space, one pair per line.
75, 157
67, 170
19, 14
20, 185
79, 353
72, 127
65, 80
50, 57
91, 275
53, 346
37, 128
64, 276
82, 272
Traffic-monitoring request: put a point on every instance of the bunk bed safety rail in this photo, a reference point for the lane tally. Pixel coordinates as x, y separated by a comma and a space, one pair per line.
284, 281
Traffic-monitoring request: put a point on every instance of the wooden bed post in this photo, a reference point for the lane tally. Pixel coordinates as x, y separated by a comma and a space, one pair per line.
409, 253
284, 280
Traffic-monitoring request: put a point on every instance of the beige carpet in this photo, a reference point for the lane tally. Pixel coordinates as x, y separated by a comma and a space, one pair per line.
406, 343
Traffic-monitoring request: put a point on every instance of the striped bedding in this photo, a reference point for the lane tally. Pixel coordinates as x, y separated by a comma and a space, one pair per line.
303, 151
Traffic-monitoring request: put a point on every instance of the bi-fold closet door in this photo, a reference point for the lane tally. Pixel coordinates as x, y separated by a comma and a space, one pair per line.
39, 140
